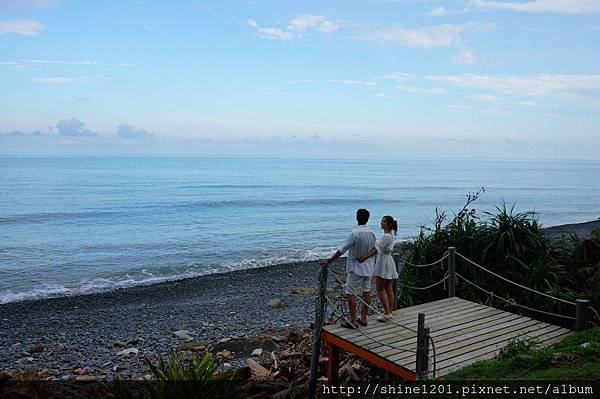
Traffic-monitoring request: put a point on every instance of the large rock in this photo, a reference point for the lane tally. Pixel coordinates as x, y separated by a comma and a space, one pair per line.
128, 352
36, 349
224, 354
194, 346
303, 290
276, 303
183, 335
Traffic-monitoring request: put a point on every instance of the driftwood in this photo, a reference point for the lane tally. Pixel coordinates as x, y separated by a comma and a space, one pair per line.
283, 373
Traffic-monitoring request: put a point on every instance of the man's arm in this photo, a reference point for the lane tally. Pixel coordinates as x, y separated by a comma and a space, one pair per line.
332, 259
363, 258
343, 248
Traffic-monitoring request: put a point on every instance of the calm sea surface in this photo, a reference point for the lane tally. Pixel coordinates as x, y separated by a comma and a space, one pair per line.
83, 224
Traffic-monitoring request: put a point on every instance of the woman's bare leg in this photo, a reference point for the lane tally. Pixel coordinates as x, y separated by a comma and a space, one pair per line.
382, 294
390, 295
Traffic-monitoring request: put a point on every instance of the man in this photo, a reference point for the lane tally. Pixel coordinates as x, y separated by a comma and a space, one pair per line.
360, 241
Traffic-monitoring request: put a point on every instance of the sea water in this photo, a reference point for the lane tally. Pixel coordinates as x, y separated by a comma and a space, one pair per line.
83, 224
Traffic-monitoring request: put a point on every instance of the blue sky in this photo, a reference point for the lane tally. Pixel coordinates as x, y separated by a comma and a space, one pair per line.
467, 78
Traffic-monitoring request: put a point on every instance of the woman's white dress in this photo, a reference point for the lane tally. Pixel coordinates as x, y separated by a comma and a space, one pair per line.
385, 267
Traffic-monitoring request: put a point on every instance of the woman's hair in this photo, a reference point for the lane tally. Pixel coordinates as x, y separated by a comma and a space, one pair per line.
393, 223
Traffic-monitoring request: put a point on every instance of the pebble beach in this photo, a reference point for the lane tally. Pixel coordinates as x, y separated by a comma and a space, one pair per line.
107, 334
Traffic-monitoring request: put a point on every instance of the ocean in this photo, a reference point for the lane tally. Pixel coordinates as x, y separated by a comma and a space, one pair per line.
71, 225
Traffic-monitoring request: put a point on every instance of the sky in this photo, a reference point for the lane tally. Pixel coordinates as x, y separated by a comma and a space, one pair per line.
408, 78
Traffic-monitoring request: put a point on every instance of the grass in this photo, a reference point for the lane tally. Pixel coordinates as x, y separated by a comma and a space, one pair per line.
576, 357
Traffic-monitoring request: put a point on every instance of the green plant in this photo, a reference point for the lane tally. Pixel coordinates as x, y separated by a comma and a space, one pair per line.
518, 346
514, 245
197, 378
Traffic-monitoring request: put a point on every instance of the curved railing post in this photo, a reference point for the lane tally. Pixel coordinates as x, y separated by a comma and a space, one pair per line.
320, 309
451, 272
581, 307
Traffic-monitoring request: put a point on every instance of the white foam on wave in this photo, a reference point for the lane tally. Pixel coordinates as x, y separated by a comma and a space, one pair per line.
146, 276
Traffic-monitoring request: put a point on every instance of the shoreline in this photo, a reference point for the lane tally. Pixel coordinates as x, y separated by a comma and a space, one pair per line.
88, 331
582, 230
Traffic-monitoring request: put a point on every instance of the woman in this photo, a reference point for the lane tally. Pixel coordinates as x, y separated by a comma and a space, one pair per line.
385, 267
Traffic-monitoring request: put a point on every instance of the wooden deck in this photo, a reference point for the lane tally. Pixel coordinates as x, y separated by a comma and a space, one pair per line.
463, 332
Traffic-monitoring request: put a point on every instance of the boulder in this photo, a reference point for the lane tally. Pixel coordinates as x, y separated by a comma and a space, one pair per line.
194, 346
36, 349
257, 352
303, 290
225, 354
183, 335
129, 351
275, 303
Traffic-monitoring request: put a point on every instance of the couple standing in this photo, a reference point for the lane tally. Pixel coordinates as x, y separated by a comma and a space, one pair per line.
361, 266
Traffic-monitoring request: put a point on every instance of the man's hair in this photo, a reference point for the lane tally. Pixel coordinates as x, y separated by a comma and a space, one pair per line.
362, 216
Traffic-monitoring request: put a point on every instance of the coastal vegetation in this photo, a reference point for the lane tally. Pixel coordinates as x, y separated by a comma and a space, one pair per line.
176, 377
576, 357
513, 245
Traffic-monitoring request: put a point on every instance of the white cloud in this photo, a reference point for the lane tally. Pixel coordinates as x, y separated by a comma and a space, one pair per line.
304, 22
27, 63
437, 12
528, 103
300, 81
338, 81
444, 35
73, 127
465, 56
24, 27
352, 82
593, 27
70, 79
557, 6
274, 33
60, 62
16, 6
296, 27
424, 90
484, 97
541, 85
398, 76
328, 26
458, 107
129, 132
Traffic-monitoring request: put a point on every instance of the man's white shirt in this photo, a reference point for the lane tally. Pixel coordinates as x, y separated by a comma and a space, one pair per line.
360, 241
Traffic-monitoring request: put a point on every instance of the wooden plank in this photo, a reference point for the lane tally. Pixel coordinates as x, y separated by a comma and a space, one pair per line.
436, 306
471, 326
554, 336
488, 352
408, 313
409, 321
501, 337
472, 331
464, 332
439, 324
393, 330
